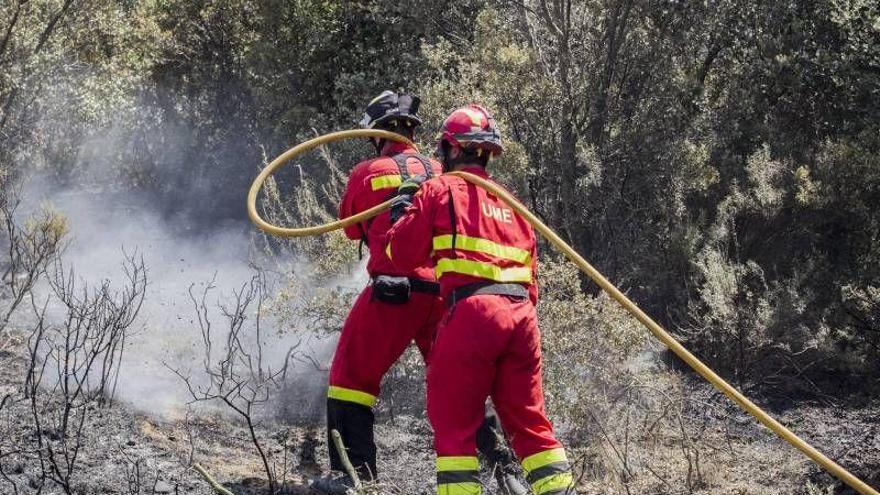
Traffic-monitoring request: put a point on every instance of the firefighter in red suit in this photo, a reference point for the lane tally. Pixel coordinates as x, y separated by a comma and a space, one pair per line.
398, 307
488, 343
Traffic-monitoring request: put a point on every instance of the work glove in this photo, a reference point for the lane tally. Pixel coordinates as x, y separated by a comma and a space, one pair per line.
405, 194
411, 185
399, 206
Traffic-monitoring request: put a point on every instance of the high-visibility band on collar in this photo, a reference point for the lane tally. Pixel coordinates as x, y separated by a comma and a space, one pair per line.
483, 270
485, 246
385, 182
351, 395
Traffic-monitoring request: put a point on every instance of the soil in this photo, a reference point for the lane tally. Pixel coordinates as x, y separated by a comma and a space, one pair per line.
128, 452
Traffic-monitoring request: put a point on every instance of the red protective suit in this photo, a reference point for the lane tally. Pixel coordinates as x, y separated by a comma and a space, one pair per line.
486, 345
376, 333
372, 182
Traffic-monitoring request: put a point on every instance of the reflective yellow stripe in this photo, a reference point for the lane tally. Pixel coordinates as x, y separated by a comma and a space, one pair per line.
544, 458
553, 483
385, 182
349, 395
484, 246
484, 270
459, 489
462, 463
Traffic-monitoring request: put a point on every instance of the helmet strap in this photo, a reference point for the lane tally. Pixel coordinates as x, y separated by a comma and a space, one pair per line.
450, 163
404, 128
443, 152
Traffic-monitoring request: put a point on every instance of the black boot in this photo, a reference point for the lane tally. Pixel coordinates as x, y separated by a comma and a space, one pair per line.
510, 484
354, 422
334, 484
490, 443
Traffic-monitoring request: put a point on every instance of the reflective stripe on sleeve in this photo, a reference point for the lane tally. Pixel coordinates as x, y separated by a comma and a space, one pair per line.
483, 270
350, 395
484, 246
385, 182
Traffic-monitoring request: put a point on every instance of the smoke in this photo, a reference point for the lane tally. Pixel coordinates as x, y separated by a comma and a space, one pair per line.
168, 185
180, 256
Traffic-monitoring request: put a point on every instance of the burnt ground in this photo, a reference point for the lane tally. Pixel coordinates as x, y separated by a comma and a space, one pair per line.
851, 436
127, 452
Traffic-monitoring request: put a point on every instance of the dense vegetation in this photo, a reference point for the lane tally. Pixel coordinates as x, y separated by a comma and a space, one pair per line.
719, 160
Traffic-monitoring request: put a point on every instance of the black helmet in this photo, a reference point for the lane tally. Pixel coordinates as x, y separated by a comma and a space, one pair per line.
390, 106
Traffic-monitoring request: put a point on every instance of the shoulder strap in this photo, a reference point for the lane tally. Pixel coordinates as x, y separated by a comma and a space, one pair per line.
364, 241
426, 164
401, 158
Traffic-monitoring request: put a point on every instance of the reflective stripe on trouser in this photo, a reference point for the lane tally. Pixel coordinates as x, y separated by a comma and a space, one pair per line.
458, 475
549, 472
351, 395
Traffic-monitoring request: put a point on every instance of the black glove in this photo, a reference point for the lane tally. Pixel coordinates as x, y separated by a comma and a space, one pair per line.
399, 206
405, 194
411, 186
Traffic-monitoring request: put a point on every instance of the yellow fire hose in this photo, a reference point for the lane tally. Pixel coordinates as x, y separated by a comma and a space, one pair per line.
576, 258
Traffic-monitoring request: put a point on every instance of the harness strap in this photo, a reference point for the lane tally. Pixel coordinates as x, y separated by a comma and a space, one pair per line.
424, 286
400, 159
518, 291
363, 242
453, 220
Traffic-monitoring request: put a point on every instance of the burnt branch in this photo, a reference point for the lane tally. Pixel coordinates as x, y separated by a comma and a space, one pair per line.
30, 246
74, 361
235, 371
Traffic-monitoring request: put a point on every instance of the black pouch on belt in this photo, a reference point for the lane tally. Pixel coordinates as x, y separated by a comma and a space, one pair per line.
391, 290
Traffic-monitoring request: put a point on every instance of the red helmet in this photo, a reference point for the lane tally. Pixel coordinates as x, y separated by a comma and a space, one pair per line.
473, 128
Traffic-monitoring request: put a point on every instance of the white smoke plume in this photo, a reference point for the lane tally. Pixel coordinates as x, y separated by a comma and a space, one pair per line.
103, 227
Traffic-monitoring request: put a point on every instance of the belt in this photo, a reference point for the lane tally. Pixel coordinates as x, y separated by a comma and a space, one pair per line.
424, 286
419, 285
518, 291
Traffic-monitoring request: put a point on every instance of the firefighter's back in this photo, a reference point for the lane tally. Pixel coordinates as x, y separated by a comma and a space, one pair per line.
479, 241
373, 182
